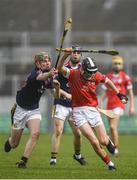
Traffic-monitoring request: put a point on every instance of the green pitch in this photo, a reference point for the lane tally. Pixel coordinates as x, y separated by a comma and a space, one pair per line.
67, 168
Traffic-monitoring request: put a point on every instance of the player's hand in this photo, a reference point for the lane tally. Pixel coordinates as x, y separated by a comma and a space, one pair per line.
53, 72
123, 98
67, 96
56, 84
68, 51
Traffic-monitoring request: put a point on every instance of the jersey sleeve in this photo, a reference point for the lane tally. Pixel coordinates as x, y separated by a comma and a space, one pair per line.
67, 72
101, 78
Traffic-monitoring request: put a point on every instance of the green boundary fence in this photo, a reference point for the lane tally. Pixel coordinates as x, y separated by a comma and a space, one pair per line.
127, 125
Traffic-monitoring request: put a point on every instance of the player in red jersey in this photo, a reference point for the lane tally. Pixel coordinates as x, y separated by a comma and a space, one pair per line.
123, 82
83, 83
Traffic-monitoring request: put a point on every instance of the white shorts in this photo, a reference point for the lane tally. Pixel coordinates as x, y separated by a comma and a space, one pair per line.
118, 111
22, 116
84, 114
61, 112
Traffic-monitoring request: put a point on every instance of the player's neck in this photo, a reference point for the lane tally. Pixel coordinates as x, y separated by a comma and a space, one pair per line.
73, 65
116, 72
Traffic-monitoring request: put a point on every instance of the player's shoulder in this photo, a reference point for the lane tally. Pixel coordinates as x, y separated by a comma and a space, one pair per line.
98, 74
68, 64
33, 73
36, 71
125, 75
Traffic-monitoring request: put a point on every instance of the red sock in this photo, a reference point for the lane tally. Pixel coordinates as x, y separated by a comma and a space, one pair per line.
106, 159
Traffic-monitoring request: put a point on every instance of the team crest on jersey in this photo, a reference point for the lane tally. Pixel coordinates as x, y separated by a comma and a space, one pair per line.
67, 84
42, 89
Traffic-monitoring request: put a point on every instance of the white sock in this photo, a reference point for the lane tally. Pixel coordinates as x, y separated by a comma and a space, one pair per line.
78, 156
116, 151
110, 163
53, 160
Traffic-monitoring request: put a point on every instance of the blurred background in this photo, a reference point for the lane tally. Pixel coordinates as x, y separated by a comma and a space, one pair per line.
30, 26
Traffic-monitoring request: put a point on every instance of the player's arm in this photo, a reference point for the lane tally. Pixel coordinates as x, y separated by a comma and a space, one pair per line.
111, 85
60, 67
131, 101
56, 90
121, 96
46, 75
65, 94
129, 88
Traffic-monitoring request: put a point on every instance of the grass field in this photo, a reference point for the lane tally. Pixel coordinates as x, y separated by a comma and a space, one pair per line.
67, 168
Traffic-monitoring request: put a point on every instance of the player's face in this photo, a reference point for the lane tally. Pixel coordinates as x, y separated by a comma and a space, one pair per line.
86, 75
117, 67
45, 65
75, 57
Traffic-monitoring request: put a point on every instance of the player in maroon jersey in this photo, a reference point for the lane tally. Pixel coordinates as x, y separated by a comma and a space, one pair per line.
26, 113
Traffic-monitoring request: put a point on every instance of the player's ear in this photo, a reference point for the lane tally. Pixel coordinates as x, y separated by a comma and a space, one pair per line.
37, 63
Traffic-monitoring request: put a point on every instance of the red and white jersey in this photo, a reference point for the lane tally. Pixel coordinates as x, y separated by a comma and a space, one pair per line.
123, 82
84, 91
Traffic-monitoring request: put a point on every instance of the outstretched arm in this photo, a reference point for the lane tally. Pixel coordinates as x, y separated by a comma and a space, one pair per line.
121, 96
60, 67
56, 89
112, 86
46, 75
65, 94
